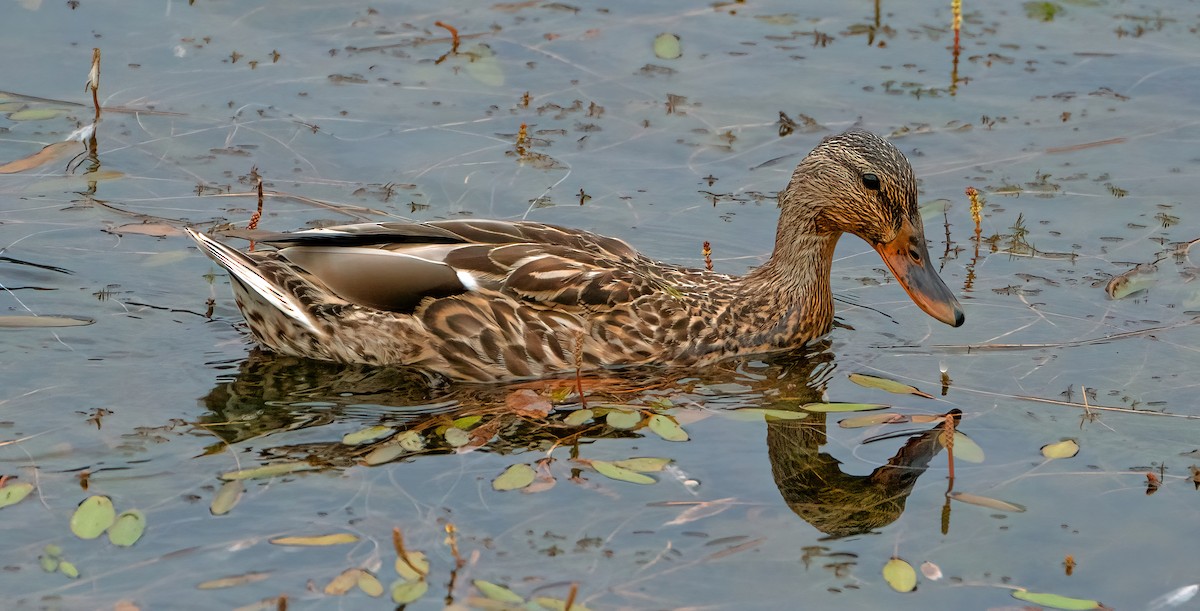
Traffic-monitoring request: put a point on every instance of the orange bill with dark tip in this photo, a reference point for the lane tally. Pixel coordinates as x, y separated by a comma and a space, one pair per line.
909, 261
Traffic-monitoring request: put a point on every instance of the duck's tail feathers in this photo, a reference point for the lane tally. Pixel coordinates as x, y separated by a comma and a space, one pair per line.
246, 271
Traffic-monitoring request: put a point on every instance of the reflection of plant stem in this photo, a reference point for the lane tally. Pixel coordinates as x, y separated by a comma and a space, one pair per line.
956, 9
398, 543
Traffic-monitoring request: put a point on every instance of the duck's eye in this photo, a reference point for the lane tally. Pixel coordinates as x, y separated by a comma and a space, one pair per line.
871, 181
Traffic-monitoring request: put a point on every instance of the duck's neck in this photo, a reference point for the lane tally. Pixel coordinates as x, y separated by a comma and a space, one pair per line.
788, 300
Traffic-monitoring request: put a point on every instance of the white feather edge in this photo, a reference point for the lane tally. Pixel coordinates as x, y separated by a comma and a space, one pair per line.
236, 263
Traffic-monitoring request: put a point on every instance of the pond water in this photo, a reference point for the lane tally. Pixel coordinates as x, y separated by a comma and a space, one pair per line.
1074, 120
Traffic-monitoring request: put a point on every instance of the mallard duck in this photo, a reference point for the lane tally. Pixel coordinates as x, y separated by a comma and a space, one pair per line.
485, 300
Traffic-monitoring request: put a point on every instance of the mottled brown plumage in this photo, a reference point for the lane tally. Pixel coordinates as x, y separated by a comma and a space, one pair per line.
493, 300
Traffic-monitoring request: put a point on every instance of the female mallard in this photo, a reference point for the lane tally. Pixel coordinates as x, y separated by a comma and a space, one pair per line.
496, 300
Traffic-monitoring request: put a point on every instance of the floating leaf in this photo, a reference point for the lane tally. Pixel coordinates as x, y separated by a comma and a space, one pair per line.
666, 46
554, 604
233, 581
623, 419
514, 477
267, 471
369, 584
887, 385
525, 402
612, 471
128, 528
466, 422
1066, 448
411, 441
13, 493
498, 593
858, 422
404, 592
22, 321
93, 516
457, 437
228, 496
157, 230
37, 114
578, 417
900, 575
667, 428
316, 540
341, 584
966, 449
1056, 601
367, 435
384, 454
48, 154
931, 571
984, 501
643, 465
483, 66
842, 407
68, 568
775, 414
49, 562
406, 569
1044, 11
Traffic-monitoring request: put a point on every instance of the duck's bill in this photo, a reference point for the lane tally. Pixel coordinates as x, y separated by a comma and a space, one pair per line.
918, 277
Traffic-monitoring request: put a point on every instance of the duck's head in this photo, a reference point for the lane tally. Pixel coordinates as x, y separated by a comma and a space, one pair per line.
859, 183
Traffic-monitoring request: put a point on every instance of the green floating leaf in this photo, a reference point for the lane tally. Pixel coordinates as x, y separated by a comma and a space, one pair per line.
578, 417
858, 422
369, 584
612, 471
457, 438
267, 471
14, 493
1066, 448
316, 540
842, 407
367, 435
128, 528
666, 427
37, 114
555, 604
49, 563
514, 477
966, 449
900, 575
1056, 601
1044, 11
985, 501
666, 46
93, 516
404, 592
466, 422
384, 454
623, 419
68, 568
483, 66
498, 593
887, 385
227, 496
233, 581
416, 560
644, 464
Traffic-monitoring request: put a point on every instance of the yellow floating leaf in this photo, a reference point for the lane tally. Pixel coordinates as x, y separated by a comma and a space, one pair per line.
623, 419
966, 449
316, 540
128, 528
367, 435
384, 454
612, 471
67, 568
842, 407
858, 422
232, 581
900, 575
498, 593
404, 592
666, 427
984, 501
643, 465
36, 114
457, 437
227, 497
14, 492
93, 516
514, 477
48, 154
774, 414
1056, 601
1066, 448
555, 604
578, 417
417, 560
267, 471
49, 563
411, 441
666, 46
341, 584
28, 321
466, 422
886, 385
369, 584
483, 66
